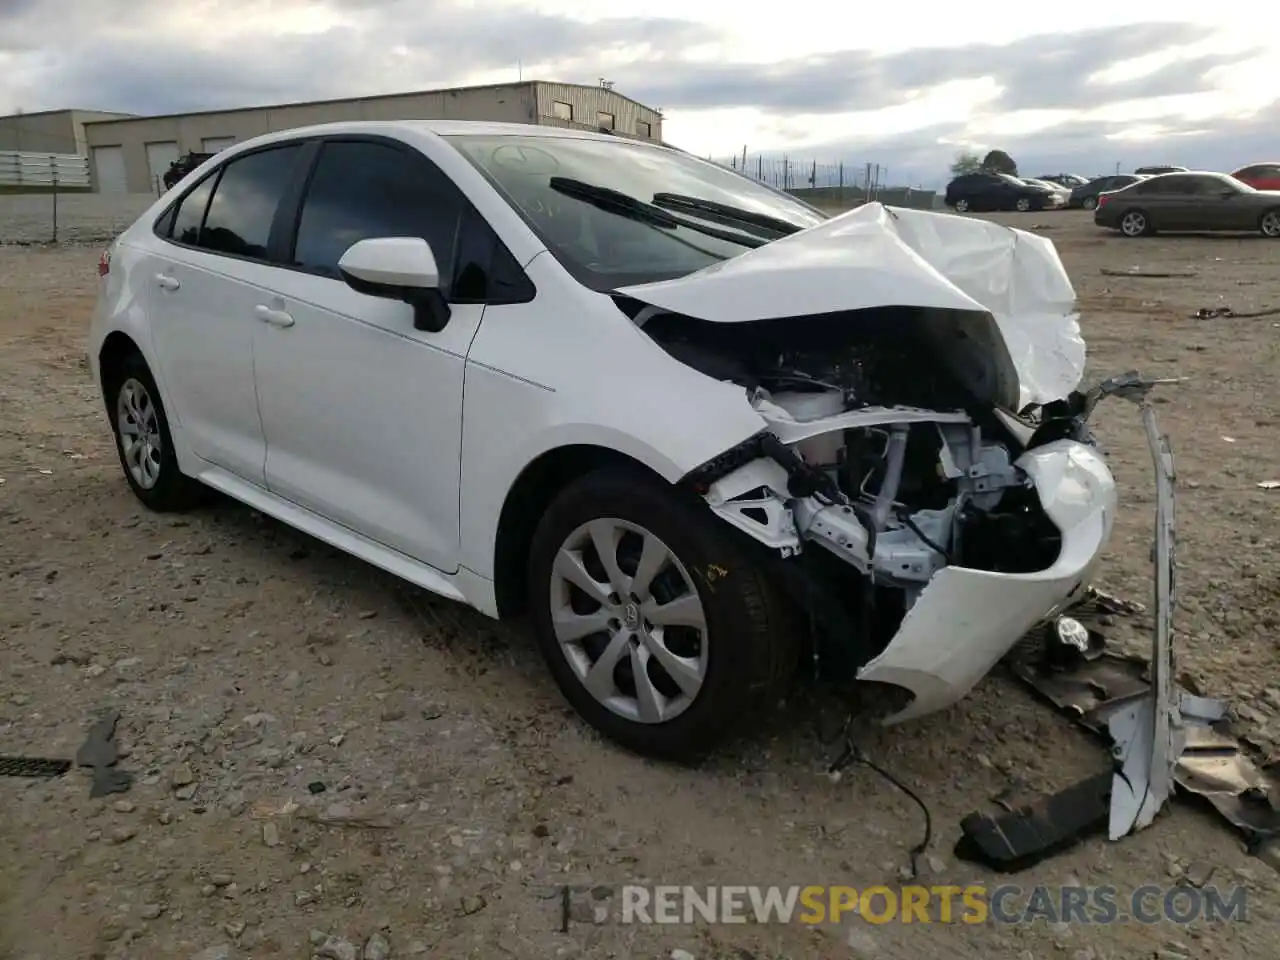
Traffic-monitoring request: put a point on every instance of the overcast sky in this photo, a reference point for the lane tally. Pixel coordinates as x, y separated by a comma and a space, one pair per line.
832, 81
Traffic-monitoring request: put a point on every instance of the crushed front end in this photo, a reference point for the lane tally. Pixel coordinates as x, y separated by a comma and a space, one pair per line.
960, 539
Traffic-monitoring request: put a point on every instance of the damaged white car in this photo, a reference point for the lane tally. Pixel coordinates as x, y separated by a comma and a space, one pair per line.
701, 433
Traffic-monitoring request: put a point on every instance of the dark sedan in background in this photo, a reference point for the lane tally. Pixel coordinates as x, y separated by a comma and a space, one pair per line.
1086, 195
998, 191
1189, 201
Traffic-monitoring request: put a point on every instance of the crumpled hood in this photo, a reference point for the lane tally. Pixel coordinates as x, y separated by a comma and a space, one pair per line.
874, 256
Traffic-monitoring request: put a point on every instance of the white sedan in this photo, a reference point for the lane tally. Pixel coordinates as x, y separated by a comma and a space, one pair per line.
699, 432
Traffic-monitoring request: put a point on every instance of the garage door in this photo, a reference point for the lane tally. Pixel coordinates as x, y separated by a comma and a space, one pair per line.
214, 144
108, 165
159, 157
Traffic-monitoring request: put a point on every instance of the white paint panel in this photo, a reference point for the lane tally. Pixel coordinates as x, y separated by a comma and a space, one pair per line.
214, 144
159, 157
108, 163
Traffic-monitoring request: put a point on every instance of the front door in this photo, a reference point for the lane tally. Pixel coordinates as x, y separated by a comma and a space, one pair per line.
362, 412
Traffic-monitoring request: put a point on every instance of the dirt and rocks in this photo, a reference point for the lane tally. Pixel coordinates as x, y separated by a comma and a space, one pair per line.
327, 763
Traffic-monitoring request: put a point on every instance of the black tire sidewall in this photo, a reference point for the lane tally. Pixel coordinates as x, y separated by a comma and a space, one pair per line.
738, 668
172, 490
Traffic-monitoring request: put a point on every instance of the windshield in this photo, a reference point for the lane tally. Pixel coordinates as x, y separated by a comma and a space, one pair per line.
593, 217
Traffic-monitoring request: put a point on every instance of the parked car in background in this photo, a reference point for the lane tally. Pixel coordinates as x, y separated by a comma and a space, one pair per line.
293, 326
182, 166
1086, 195
1059, 192
1260, 176
997, 191
1189, 201
1068, 180
1157, 170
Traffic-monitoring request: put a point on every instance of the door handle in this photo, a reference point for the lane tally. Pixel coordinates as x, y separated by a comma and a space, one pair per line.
277, 318
167, 282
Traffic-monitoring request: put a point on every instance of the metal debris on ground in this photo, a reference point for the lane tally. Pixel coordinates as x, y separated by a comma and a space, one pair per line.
1148, 274
1269, 484
33, 767
1212, 313
100, 752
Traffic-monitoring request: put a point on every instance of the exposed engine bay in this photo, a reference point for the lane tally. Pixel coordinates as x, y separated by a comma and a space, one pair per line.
875, 451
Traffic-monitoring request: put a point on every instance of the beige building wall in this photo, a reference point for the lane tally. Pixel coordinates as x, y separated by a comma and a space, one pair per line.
54, 131
529, 102
593, 107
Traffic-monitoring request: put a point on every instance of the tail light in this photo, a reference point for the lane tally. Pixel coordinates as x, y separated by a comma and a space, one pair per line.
1102, 198
104, 263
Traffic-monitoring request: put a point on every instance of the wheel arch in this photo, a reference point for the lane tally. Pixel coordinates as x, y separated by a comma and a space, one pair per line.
116, 348
534, 489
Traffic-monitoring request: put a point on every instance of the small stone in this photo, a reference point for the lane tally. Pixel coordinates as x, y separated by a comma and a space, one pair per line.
223, 951
303, 897
292, 680
1085, 954
182, 775
368, 614
95, 670
128, 664
377, 947
233, 928
541, 830
150, 911
165, 817
336, 740
124, 806
123, 834
1198, 873
472, 904
678, 954
336, 948
221, 879
937, 864
112, 929
983, 761
270, 834
185, 792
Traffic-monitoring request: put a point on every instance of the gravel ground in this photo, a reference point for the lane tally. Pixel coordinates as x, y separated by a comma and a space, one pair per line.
320, 750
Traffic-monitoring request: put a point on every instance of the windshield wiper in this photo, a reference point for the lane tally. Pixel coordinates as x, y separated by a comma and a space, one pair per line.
625, 205
726, 214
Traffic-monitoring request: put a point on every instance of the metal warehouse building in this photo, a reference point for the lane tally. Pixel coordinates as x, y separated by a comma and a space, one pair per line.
127, 154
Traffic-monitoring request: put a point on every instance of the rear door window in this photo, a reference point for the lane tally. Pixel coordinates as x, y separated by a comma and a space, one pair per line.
245, 201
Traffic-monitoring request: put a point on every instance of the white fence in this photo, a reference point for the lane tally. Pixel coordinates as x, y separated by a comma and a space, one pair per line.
44, 171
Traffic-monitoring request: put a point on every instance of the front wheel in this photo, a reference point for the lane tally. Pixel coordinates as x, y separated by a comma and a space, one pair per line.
1023, 204
658, 627
1270, 224
962, 206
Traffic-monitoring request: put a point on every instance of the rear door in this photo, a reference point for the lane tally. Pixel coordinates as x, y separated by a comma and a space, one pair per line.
206, 277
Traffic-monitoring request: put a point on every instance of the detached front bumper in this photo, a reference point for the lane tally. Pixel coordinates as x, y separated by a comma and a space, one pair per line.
965, 620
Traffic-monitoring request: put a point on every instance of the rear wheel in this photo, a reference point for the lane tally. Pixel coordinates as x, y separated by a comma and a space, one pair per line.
144, 443
1270, 224
1090, 203
1023, 204
1134, 223
658, 628
962, 206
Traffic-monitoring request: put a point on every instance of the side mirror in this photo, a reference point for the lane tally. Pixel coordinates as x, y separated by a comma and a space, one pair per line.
398, 268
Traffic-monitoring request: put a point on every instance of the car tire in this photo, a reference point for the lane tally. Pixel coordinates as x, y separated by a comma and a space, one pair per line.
1135, 223
733, 634
1089, 203
144, 443
1269, 224
1023, 204
961, 206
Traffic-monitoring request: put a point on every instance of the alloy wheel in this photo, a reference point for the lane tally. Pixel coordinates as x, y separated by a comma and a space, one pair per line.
1024, 205
139, 426
962, 206
629, 620
1090, 203
1133, 224
1271, 224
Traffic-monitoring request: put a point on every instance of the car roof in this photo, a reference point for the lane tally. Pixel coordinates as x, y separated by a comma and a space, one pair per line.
443, 128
